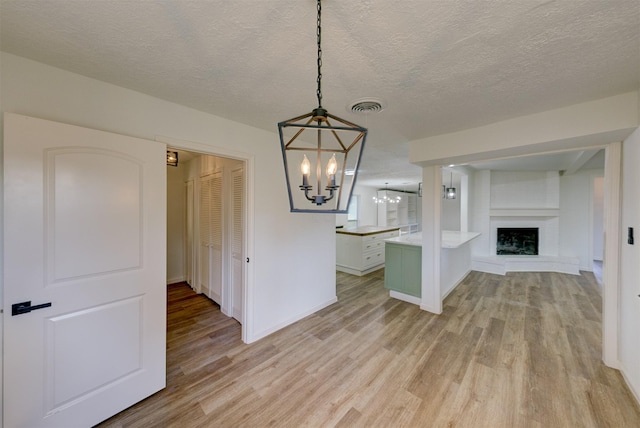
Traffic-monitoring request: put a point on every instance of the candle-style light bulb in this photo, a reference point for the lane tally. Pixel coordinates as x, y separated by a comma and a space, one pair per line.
305, 167
332, 168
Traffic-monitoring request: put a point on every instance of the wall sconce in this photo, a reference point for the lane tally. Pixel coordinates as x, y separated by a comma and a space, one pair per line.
172, 158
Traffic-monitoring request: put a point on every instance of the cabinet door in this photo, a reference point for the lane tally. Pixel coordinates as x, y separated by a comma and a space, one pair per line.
412, 271
393, 267
403, 269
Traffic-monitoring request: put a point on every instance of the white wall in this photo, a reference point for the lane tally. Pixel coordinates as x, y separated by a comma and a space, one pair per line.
284, 246
451, 207
367, 209
630, 264
176, 200
598, 218
576, 217
368, 215
479, 211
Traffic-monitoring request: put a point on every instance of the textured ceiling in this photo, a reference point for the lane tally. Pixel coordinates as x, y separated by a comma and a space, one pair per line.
440, 65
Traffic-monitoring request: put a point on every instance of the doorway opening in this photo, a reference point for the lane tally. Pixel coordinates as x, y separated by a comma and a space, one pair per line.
207, 226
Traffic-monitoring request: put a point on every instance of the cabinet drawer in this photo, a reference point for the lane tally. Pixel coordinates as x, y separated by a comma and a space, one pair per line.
379, 236
373, 259
372, 246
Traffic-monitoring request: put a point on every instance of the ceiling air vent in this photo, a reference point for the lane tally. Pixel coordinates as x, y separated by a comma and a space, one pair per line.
366, 105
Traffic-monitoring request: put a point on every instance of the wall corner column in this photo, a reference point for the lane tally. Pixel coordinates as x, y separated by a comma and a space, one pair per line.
611, 263
431, 237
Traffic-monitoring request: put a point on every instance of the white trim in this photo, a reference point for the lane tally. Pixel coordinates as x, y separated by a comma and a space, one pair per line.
249, 277
431, 238
500, 265
354, 271
611, 264
265, 333
634, 391
176, 280
405, 297
453, 287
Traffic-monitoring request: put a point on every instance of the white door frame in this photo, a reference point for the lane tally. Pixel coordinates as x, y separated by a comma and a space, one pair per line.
249, 243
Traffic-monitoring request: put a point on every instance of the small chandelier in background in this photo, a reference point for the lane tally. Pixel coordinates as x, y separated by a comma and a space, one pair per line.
172, 158
320, 139
450, 193
385, 199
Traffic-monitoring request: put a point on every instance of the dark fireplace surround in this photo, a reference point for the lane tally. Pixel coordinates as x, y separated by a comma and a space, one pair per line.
521, 241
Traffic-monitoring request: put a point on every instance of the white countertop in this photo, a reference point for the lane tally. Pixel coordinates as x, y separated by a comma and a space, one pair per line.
455, 239
450, 239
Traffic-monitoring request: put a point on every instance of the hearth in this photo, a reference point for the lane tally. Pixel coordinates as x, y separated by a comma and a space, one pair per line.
517, 241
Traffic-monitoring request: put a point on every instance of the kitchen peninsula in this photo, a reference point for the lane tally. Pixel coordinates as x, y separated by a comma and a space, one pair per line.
403, 269
360, 250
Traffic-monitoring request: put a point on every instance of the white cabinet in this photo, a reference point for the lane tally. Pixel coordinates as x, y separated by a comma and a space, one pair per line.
360, 251
403, 214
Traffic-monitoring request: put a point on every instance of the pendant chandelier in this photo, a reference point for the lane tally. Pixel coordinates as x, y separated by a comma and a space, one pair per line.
451, 191
327, 142
386, 199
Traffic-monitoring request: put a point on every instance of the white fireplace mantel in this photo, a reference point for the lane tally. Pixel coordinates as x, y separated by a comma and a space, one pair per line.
524, 212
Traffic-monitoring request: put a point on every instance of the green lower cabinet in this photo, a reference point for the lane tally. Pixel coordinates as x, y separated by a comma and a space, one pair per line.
403, 268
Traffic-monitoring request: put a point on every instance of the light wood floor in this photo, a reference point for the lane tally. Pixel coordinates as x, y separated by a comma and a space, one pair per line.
521, 350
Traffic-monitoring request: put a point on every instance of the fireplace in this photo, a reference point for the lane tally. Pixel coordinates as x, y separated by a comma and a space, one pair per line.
521, 241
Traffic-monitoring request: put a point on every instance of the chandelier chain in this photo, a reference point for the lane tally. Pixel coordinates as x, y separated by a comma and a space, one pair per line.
318, 34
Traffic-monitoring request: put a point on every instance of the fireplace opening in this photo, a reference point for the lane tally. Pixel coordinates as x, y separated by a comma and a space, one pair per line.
521, 241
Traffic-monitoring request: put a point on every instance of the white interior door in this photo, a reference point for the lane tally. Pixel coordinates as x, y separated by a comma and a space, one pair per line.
211, 221
190, 250
85, 231
237, 241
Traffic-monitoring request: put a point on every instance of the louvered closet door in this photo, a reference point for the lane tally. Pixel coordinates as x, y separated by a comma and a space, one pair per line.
237, 240
211, 236
190, 262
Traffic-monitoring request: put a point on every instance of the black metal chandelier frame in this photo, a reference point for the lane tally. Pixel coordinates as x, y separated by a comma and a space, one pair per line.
336, 130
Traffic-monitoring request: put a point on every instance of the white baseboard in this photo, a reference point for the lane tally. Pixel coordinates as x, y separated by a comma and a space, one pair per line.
634, 390
265, 333
176, 280
462, 278
500, 265
405, 297
357, 272
430, 309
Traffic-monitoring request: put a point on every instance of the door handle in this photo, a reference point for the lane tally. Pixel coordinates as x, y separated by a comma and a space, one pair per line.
25, 307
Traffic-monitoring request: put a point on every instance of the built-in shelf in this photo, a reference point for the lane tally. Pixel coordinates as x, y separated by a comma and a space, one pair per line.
402, 214
524, 212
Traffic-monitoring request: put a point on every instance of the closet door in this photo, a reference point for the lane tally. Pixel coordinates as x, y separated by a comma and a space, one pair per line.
190, 250
237, 241
211, 221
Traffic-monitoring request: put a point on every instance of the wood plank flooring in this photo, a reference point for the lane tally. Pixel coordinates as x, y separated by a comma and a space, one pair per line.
521, 350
